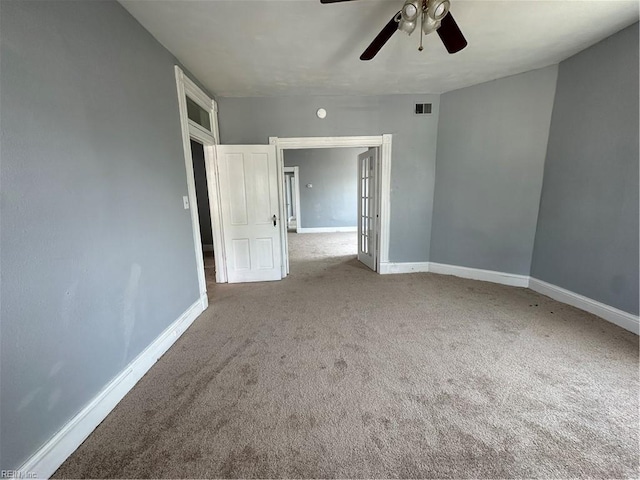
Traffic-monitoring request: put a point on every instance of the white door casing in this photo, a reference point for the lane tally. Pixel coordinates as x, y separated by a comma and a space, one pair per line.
191, 130
250, 212
367, 207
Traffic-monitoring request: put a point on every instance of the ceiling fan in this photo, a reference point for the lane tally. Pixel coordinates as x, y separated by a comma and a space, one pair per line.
433, 15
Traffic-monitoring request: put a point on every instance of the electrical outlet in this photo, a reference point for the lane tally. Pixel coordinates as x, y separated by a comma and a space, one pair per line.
185, 202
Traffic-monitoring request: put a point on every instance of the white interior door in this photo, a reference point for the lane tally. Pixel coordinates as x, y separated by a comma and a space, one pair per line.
249, 200
367, 203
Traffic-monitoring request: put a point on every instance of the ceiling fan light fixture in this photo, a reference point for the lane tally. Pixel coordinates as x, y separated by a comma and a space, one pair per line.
438, 9
409, 16
433, 16
407, 27
429, 25
410, 11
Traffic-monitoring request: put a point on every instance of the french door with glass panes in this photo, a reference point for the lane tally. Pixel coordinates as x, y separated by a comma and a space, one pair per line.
367, 207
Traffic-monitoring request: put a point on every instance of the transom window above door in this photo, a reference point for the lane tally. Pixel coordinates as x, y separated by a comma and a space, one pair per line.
198, 114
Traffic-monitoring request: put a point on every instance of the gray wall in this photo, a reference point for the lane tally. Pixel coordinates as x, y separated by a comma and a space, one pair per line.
492, 140
97, 251
333, 172
587, 236
254, 120
202, 193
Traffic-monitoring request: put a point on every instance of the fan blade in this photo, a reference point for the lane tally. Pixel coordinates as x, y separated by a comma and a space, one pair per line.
451, 35
334, 1
383, 37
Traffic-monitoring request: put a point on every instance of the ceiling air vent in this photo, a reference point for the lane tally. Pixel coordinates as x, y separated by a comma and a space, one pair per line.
423, 109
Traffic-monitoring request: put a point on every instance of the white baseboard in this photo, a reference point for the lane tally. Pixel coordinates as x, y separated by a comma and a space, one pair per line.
207, 248
404, 267
46, 460
502, 278
464, 272
623, 319
326, 229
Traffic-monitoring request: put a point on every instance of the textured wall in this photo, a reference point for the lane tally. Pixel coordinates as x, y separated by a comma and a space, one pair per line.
492, 140
254, 120
97, 251
587, 236
333, 172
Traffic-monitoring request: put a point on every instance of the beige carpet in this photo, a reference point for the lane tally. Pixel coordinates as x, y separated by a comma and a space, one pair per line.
340, 372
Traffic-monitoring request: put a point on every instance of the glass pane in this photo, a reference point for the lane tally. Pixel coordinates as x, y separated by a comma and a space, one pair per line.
198, 114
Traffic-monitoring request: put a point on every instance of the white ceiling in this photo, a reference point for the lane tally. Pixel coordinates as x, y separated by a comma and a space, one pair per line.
240, 48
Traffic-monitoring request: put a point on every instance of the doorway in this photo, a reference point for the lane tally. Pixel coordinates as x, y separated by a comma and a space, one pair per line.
323, 228
199, 126
292, 197
204, 210
376, 192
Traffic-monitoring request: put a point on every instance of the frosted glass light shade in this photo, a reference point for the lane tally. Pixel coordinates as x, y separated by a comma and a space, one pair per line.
409, 12
437, 9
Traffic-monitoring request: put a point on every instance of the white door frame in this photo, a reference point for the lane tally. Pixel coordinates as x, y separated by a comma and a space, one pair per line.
191, 130
384, 185
296, 194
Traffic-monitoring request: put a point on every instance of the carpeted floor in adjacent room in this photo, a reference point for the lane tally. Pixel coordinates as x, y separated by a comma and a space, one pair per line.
339, 372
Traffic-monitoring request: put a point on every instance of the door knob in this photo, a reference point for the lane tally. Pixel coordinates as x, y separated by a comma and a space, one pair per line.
274, 220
